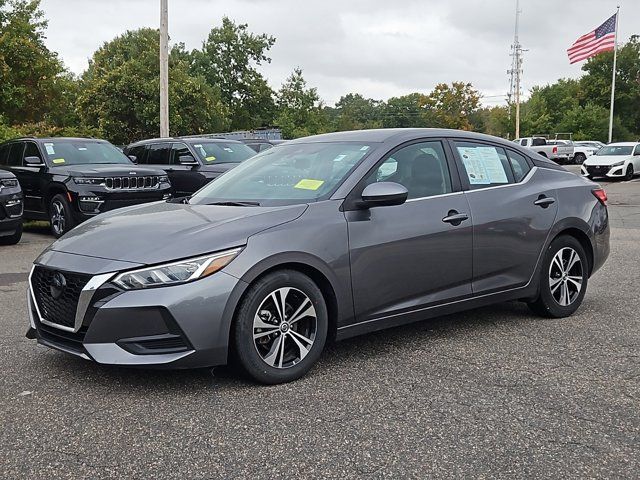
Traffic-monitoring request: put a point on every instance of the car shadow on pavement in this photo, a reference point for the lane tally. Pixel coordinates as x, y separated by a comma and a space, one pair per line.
397, 341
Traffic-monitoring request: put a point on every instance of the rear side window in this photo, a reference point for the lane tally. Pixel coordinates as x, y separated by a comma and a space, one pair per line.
15, 154
159, 154
519, 165
485, 165
4, 154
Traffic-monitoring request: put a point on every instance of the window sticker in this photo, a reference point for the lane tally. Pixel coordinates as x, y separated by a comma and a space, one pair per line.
49, 147
210, 158
483, 165
82, 149
365, 148
227, 149
309, 184
58, 161
339, 157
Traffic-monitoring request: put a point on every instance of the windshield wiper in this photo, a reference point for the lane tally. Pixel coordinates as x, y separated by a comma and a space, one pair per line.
236, 204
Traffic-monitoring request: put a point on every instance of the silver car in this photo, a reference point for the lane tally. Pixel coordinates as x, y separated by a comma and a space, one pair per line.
322, 238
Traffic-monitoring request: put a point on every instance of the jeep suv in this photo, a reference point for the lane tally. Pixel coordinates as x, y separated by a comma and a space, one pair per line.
68, 180
10, 209
190, 162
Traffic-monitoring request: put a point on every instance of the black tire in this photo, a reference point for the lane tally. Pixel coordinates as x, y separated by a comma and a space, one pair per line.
578, 158
60, 215
253, 354
629, 173
12, 239
546, 304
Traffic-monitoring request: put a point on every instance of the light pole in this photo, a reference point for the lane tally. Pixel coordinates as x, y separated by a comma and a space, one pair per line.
164, 68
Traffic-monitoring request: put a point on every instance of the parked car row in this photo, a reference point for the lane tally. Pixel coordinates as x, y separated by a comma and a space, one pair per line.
66, 181
616, 160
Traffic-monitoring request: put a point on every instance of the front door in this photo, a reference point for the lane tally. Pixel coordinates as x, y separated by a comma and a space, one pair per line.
405, 258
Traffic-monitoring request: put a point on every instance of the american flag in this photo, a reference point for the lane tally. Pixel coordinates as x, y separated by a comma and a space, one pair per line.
602, 39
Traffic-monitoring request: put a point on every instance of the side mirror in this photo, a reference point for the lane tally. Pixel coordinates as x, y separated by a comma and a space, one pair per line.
383, 194
187, 160
33, 162
133, 158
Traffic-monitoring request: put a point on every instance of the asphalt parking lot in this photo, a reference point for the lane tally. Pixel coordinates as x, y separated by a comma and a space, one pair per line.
495, 392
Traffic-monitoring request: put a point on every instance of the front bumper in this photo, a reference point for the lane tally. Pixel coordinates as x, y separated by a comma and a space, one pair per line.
615, 171
182, 326
11, 209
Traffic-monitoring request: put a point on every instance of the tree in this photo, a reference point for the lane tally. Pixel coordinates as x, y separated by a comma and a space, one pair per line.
228, 61
120, 90
354, 112
299, 108
32, 77
406, 111
451, 106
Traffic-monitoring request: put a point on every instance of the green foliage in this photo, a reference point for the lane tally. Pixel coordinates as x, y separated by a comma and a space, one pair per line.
228, 61
452, 106
354, 112
405, 112
120, 90
31, 76
299, 108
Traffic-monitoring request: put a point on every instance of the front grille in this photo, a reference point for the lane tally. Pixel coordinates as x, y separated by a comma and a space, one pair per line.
61, 310
596, 170
132, 183
62, 339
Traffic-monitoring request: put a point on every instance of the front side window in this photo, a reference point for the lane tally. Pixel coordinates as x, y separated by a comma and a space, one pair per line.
421, 168
223, 152
32, 151
637, 151
179, 150
290, 174
82, 152
484, 165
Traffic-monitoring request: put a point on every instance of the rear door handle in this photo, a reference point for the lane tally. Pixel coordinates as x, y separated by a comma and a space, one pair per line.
455, 218
544, 202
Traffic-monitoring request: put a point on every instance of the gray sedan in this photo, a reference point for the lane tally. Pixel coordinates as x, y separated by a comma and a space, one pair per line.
322, 238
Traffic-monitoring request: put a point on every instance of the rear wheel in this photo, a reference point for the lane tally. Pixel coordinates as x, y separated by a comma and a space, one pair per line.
281, 327
629, 173
579, 158
12, 239
563, 279
60, 216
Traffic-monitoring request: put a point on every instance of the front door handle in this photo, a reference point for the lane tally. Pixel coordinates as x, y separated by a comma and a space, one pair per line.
455, 218
544, 202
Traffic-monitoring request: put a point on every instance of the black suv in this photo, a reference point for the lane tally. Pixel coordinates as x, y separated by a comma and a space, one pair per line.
10, 209
190, 162
68, 180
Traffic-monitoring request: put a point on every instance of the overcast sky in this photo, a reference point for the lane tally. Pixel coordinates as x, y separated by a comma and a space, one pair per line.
378, 48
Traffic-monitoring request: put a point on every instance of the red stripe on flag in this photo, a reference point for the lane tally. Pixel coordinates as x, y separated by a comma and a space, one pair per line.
606, 47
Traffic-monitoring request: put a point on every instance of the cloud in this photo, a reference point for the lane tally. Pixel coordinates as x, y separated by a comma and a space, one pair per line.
375, 47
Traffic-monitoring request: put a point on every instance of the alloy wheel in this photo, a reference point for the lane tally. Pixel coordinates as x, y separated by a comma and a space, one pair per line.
566, 276
284, 327
58, 220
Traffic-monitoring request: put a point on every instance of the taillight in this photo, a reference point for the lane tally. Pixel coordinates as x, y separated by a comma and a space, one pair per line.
555, 150
601, 195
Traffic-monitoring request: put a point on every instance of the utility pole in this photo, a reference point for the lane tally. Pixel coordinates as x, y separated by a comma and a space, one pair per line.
164, 69
516, 71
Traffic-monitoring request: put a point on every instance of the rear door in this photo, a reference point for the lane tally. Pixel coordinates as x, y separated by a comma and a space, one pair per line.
512, 213
408, 257
33, 179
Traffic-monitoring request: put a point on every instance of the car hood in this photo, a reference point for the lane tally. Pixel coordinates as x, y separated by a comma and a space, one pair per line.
105, 170
606, 160
161, 232
219, 167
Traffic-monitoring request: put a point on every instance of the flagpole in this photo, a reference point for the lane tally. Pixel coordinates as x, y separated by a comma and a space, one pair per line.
613, 76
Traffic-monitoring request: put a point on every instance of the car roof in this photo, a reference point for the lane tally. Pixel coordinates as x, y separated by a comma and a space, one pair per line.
184, 139
383, 134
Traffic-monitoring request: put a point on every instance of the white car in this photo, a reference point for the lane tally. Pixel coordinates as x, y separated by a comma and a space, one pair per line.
583, 150
616, 160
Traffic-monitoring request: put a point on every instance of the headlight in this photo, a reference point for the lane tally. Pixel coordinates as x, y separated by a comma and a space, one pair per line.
177, 272
618, 164
163, 179
8, 183
89, 181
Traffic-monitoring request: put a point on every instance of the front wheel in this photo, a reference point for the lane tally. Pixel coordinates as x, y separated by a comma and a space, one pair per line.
629, 173
281, 327
12, 239
60, 216
579, 158
563, 279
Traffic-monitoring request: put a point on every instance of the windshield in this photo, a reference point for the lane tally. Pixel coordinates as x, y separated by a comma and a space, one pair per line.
223, 152
615, 150
82, 152
289, 174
